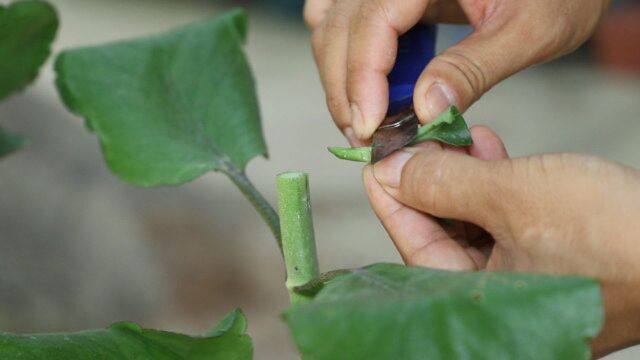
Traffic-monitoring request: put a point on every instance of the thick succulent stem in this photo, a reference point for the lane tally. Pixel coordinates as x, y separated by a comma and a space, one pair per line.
296, 225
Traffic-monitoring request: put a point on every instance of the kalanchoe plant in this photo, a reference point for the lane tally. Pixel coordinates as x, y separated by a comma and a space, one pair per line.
27, 29
127, 340
171, 107
389, 311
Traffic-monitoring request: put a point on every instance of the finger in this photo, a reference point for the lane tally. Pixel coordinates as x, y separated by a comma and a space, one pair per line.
464, 72
330, 42
447, 184
419, 238
435, 145
487, 145
315, 11
373, 37
465, 233
458, 149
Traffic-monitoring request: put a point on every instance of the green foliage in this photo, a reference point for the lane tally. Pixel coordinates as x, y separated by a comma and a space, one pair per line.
27, 29
170, 107
449, 128
387, 311
127, 340
10, 142
360, 154
235, 322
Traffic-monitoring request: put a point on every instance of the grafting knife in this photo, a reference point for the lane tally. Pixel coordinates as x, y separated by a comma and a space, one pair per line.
416, 48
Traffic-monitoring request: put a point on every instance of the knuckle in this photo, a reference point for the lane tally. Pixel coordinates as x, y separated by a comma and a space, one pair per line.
547, 191
311, 19
560, 31
374, 11
314, 12
573, 30
546, 41
541, 182
381, 9
593, 172
472, 73
337, 20
546, 170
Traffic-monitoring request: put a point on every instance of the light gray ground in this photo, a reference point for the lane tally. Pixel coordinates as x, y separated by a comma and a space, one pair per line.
79, 248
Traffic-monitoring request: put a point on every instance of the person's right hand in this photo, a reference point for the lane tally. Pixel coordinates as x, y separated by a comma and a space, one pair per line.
554, 213
354, 44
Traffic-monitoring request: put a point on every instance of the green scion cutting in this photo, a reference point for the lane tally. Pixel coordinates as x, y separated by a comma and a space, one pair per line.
449, 128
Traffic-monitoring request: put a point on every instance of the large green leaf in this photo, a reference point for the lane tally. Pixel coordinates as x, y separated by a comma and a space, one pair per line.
235, 322
170, 107
129, 341
387, 311
27, 29
10, 142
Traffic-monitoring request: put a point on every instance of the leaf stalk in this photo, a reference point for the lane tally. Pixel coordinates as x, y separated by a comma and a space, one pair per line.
266, 211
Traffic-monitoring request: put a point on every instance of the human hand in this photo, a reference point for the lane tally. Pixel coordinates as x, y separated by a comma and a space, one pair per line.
556, 214
354, 44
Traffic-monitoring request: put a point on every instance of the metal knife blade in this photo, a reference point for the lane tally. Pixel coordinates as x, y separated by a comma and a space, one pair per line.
394, 133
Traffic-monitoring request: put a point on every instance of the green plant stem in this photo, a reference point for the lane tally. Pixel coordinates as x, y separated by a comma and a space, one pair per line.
360, 154
296, 224
257, 200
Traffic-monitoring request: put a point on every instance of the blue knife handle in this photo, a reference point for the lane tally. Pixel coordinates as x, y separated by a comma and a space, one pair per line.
416, 48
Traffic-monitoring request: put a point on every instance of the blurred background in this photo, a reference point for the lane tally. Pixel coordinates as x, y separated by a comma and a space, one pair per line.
81, 249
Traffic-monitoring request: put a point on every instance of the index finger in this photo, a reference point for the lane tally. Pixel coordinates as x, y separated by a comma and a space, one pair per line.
373, 41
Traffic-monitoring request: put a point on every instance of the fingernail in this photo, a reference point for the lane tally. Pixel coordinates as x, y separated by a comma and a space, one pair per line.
439, 98
357, 121
389, 170
351, 137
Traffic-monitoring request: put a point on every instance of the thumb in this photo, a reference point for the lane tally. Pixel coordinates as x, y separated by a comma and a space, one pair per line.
464, 72
448, 184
